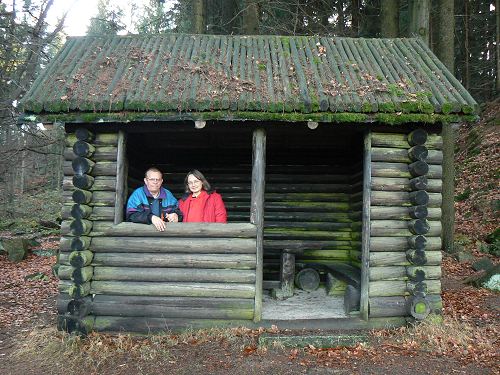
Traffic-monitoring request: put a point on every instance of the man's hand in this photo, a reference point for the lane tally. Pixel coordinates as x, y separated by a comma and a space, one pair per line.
172, 218
158, 223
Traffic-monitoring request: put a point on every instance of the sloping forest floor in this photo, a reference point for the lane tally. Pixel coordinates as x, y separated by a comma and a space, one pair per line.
465, 341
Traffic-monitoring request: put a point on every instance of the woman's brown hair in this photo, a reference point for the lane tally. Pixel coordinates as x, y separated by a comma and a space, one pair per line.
196, 173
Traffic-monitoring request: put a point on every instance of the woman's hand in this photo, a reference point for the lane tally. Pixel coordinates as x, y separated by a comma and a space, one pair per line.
172, 218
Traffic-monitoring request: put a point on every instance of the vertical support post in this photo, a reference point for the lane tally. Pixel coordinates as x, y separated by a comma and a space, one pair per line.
121, 178
365, 235
257, 209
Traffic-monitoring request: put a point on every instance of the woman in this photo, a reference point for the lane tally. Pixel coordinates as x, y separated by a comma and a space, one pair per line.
201, 204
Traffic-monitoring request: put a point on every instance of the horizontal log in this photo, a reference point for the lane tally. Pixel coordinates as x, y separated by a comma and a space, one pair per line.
229, 261
418, 168
81, 196
401, 244
399, 258
190, 230
307, 245
298, 234
148, 324
100, 183
166, 312
101, 153
82, 181
74, 243
419, 212
99, 198
400, 287
293, 206
278, 197
401, 272
174, 245
79, 290
62, 302
397, 140
190, 289
83, 149
80, 258
96, 213
400, 155
110, 139
64, 285
420, 152
74, 324
82, 165
101, 168
80, 307
399, 305
382, 169
76, 274
419, 197
422, 227
404, 184
417, 137
417, 257
79, 211
83, 134
417, 241
400, 228
337, 227
400, 213
333, 217
103, 273
186, 302
80, 227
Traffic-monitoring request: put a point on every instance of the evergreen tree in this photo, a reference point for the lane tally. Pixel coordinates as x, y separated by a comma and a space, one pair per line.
108, 20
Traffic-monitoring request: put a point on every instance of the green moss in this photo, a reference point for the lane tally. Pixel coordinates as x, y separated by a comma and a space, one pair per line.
447, 108
387, 107
285, 41
395, 90
366, 107
261, 66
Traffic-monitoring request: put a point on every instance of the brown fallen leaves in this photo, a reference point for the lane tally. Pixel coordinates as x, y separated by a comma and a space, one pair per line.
22, 299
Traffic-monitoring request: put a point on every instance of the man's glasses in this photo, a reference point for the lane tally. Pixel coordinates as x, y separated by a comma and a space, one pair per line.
154, 179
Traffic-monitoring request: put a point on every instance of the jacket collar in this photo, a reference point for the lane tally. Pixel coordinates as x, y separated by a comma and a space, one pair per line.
163, 192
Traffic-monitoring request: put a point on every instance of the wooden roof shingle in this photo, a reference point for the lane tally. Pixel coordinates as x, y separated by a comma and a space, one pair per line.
225, 75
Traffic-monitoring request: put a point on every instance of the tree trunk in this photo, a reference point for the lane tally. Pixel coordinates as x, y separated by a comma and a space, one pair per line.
448, 205
355, 17
466, 75
251, 18
198, 24
445, 48
419, 19
389, 18
497, 10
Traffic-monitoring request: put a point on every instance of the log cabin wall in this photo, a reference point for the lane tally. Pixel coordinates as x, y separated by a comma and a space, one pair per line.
405, 220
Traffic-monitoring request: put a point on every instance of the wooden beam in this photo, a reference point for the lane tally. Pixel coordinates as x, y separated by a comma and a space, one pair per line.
365, 231
257, 210
121, 178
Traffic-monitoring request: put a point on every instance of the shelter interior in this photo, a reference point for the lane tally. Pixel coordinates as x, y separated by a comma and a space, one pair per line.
313, 195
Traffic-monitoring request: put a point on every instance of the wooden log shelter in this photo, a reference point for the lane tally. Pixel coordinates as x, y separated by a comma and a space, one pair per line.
327, 152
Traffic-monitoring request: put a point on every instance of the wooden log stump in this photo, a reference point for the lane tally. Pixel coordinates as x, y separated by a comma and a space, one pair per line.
307, 279
83, 134
418, 168
81, 258
417, 288
418, 212
419, 197
80, 227
82, 275
417, 242
419, 226
81, 211
416, 257
79, 290
332, 283
287, 272
82, 196
82, 165
75, 324
80, 243
419, 183
83, 149
83, 181
416, 274
417, 137
80, 307
418, 152
419, 308
352, 297
16, 248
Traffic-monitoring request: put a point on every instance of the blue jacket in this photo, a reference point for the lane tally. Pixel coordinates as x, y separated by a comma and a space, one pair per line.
139, 205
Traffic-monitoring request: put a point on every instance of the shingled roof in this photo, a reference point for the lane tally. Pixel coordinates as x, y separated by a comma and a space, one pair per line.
207, 76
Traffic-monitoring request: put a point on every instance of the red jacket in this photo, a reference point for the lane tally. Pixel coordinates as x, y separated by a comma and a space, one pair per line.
214, 210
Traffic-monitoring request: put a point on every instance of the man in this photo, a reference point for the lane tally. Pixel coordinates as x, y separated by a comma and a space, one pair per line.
153, 204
